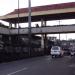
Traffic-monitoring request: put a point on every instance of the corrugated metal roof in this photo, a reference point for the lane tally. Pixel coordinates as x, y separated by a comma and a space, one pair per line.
44, 8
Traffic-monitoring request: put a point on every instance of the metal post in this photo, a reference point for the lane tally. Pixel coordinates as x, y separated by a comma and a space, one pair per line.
29, 20
18, 17
59, 33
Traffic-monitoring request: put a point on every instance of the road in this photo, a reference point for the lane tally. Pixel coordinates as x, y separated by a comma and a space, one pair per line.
43, 65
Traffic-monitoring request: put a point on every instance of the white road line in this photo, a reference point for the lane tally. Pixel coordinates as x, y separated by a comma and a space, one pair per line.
17, 71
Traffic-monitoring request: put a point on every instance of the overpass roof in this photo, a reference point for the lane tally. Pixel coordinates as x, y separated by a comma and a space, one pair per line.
47, 12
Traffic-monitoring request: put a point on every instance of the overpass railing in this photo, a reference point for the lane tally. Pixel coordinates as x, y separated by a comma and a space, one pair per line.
40, 30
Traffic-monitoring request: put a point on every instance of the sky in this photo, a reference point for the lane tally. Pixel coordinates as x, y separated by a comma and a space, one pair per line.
7, 6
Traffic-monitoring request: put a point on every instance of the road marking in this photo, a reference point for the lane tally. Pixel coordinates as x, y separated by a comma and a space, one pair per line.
17, 71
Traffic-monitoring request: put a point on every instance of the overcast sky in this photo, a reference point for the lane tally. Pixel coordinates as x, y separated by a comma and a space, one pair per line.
7, 6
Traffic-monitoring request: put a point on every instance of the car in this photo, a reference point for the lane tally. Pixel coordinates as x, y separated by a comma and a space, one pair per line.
72, 51
56, 51
66, 51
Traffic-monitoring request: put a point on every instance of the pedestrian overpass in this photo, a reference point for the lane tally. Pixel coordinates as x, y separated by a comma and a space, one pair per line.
40, 30
42, 14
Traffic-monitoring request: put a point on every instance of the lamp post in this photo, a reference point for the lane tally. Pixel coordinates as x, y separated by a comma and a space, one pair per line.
29, 23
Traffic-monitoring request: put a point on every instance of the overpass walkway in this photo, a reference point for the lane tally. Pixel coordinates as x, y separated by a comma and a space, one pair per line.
40, 30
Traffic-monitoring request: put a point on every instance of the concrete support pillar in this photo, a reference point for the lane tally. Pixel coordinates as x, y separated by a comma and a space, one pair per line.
15, 25
45, 39
42, 41
10, 25
45, 23
42, 36
41, 22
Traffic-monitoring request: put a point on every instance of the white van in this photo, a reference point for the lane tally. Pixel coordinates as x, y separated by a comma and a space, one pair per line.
56, 51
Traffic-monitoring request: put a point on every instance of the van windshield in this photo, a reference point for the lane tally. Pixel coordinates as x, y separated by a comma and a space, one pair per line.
55, 48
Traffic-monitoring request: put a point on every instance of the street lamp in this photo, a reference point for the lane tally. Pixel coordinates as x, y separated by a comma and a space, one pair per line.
29, 22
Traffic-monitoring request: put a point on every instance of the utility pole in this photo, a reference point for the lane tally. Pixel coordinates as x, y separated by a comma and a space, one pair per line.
18, 23
18, 17
59, 33
29, 21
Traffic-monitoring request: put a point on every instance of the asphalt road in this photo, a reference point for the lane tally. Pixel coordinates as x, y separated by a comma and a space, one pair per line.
44, 65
